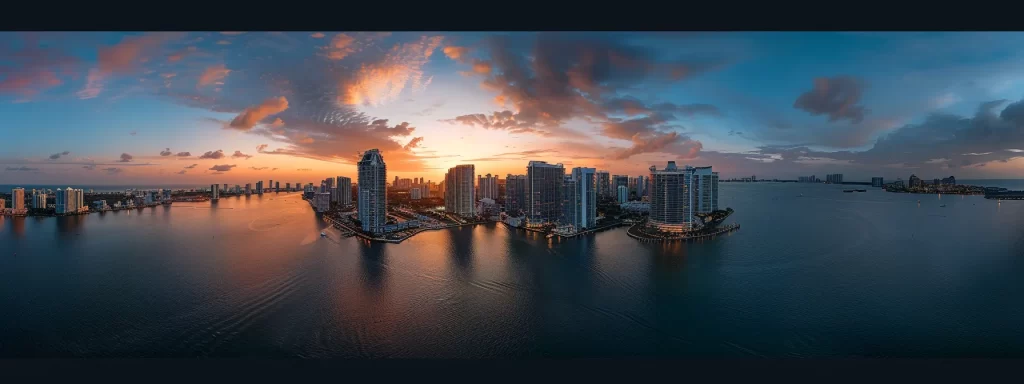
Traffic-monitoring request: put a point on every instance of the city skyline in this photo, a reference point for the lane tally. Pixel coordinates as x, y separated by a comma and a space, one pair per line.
205, 107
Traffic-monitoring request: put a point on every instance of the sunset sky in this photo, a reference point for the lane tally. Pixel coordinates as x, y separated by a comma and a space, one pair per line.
232, 107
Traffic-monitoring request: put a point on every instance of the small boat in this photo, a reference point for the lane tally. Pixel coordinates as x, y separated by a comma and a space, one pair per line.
848, 190
323, 234
942, 206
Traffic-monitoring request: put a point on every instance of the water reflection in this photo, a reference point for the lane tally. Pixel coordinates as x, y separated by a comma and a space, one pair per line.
373, 260
461, 243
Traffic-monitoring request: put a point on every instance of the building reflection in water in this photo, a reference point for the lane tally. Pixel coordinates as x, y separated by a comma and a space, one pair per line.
461, 244
374, 263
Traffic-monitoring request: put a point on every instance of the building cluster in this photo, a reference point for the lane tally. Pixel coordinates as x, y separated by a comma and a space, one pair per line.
834, 178
678, 195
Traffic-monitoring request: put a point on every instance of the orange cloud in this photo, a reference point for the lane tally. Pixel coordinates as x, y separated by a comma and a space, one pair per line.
177, 56
377, 83
213, 74
277, 123
123, 56
253, 115
31, 82
318, 35
455, 53
481, 67
341, 46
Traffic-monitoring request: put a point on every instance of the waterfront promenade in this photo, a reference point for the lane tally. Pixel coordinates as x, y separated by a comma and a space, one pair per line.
635, 232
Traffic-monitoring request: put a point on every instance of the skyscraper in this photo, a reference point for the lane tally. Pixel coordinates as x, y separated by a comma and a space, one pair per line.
618, 180
584, 200
669, 198
344, 191
515, 194
544, 192
259, 187
603, 180
214, 192
460, 197
69, 200
248, 189
323, 202
373, 197
277, 186
703, 191
18, 198
39, 201
488, 187
877, 182
834, 178
642, 185
623, 194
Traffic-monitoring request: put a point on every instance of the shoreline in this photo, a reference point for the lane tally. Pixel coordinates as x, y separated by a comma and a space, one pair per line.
646, 239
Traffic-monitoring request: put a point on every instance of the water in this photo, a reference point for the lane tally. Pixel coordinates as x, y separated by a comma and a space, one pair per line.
826, 274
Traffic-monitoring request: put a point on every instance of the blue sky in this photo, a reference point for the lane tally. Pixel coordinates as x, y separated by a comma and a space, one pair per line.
301, 105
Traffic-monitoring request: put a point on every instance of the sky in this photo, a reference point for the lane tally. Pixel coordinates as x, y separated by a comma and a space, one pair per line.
236, 107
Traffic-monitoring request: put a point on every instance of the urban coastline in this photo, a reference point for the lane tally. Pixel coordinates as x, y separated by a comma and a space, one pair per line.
914, 185
670, 204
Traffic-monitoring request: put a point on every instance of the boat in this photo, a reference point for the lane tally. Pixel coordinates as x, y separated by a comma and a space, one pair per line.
848, 190
942, 206
861, 190
323, 234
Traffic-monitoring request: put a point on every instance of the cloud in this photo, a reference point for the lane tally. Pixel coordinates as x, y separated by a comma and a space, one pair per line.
182, 172
183, 154
191, 166
166, 152
113, 171
670, 142
121, 58
222, 168
218, 154
551, 78
239, 154
89, 167
376, 83
56, 156
261, 147
126, 158
213, 74
258, 168
177, 56
836, 97
273, 169
253, 115
22, 169
455, 53
317, 35
340, 47
33, 67
223, 42
414, 143
1015, 150
133, 133
304, 169
277, 123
